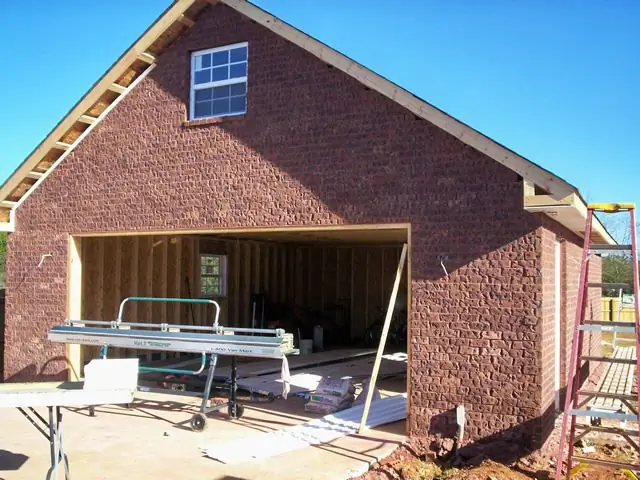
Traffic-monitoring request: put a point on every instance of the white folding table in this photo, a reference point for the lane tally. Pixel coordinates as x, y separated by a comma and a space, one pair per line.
107, 381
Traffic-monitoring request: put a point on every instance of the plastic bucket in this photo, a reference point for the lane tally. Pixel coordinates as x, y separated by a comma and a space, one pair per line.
306, 346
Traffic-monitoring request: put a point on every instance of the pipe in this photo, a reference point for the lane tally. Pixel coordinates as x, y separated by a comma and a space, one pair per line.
168, 300
177, 371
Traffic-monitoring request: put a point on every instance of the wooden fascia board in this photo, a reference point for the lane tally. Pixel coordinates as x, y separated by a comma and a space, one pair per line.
463, 132
171, 15
10, 226
570, 211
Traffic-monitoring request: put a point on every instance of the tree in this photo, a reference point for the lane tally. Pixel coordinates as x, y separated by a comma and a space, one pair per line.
616, 269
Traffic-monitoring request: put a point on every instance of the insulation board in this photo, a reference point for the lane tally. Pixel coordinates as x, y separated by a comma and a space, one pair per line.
313, 432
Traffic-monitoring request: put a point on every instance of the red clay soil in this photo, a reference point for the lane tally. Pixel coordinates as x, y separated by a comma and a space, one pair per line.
412, 462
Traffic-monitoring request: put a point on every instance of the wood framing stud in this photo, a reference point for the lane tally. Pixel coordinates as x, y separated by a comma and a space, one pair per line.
383, 340
74, 304
88, 119
115, 87
186, 21
147, 57
62, 145
35, 175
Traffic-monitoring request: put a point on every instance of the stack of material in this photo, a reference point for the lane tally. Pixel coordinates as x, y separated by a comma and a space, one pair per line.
332, 395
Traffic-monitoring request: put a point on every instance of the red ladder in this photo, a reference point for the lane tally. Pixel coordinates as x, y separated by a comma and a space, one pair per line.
577, 399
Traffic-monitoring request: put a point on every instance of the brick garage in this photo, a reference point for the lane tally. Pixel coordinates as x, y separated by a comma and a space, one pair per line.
318, 147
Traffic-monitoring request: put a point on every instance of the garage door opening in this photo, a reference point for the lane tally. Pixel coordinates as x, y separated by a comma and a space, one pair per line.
330, 288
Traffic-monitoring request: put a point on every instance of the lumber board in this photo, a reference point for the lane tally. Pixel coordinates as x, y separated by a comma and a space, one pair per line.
383, 338
307, 379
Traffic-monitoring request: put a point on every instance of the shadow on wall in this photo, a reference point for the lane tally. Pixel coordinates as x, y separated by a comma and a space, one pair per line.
31, 372
505, 447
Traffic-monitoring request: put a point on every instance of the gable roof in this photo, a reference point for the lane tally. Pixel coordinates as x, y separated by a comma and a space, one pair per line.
560, 200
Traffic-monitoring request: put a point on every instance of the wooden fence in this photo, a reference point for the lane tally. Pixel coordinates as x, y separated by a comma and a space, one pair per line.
610, 310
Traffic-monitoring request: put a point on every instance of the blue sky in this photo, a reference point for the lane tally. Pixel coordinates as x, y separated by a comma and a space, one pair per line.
555, 81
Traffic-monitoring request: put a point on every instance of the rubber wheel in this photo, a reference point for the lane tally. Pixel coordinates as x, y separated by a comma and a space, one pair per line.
198, 422
239, 411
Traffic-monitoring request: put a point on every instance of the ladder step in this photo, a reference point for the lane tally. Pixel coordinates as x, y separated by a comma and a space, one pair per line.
624, 361
606, 463
614, 430
598, 326
603, 414
593, 393
606, 327
603, 247
615, 286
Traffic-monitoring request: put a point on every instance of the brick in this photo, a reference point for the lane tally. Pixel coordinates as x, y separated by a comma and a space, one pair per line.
315, 148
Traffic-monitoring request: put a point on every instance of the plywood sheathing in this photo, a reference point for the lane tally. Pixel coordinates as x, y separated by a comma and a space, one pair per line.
48, 160
21, 189
5, 214
167, 38
74, 133
102, 103
353, 279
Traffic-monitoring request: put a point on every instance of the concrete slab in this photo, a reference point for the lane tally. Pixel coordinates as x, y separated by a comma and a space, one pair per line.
153, 440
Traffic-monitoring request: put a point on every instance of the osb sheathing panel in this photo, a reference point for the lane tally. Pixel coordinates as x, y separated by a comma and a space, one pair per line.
128, 77
4, 215
194, 10
21, 189
167, 38
103, 102
48, 160
74, 132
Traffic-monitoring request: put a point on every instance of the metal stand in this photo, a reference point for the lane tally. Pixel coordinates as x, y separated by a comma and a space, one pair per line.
52, 430
235, 410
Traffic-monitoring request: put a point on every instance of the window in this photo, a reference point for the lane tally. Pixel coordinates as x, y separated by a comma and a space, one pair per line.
213, 275
219, 81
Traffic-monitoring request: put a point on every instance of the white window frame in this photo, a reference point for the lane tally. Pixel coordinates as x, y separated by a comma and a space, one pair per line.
222, 276
220, 83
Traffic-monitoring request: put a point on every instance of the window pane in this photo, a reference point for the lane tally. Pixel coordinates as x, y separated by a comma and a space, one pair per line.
206, 286
221, 106
238, 89
220, 73
220, 58
238, 70
202, 109
206, 60
210, 260
210, 270
204, 94
239, 54
203, 76
221, 92
238, 104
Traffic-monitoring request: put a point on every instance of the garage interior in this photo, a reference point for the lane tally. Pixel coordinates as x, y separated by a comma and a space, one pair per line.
338, 278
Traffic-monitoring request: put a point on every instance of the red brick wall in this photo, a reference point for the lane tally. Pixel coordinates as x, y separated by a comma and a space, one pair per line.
570, 258
548, 324
315, 147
